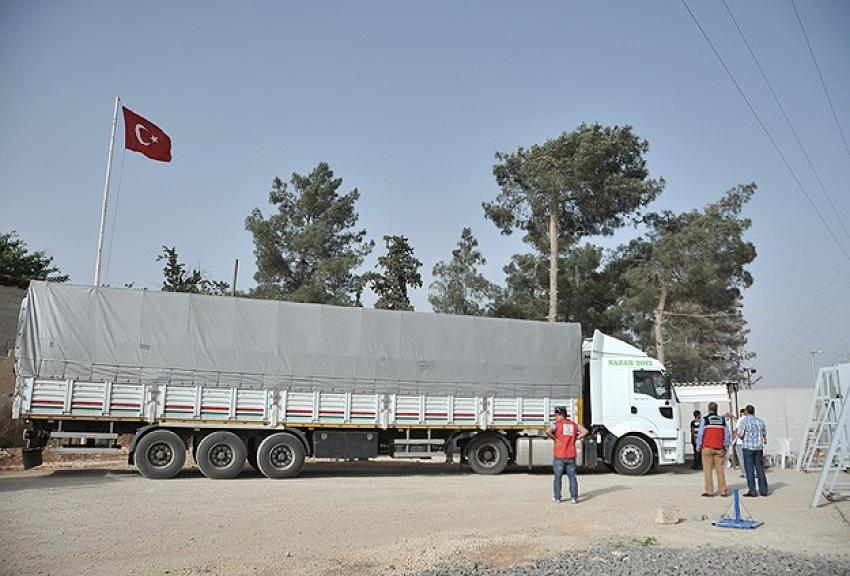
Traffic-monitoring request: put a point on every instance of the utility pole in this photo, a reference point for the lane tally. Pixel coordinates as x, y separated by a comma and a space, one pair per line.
814, 370
235, 274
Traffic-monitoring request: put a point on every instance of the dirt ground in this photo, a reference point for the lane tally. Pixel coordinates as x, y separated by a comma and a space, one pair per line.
103, 518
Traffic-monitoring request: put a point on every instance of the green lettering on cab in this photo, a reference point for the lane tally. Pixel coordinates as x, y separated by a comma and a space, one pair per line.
621, 362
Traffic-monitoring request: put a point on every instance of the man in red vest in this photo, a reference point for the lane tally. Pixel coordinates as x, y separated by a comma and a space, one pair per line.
713, 439
565, 432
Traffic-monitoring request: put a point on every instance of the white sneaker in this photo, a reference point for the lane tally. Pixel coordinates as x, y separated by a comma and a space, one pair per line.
575, 500
555, 501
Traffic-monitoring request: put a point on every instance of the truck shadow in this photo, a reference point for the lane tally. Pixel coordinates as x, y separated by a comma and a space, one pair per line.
62, 479
684, 469
343, 470
323, 469
367, 469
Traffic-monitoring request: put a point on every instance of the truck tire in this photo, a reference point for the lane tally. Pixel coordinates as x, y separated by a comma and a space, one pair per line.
488, 454
160, 454
280, 455
632, 456
221, 455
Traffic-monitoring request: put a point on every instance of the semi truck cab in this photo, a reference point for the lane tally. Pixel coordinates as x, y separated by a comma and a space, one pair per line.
631, 406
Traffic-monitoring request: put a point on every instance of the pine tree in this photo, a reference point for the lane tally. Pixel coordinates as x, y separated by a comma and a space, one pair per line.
580, 184
308, 249
459, 288
588, 289
177, 279
18, 264
399, 269
684, 289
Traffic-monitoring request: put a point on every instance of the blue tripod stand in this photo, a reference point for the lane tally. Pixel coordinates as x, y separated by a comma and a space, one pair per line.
737, 522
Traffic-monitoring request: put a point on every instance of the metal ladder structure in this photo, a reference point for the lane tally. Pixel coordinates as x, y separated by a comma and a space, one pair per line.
823, 422
834, 481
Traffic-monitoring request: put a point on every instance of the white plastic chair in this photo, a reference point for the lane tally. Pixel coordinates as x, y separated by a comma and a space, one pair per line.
783, 451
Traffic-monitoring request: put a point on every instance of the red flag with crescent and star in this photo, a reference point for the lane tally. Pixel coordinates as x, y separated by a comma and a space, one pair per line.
142, 135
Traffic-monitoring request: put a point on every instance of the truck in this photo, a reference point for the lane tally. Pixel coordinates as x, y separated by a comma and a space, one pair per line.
232, 380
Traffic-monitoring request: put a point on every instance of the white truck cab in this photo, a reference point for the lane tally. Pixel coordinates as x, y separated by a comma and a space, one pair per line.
633, 407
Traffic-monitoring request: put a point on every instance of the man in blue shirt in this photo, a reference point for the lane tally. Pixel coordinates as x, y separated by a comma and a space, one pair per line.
753, 434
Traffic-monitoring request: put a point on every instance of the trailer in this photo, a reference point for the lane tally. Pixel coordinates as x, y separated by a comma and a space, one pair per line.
236, 380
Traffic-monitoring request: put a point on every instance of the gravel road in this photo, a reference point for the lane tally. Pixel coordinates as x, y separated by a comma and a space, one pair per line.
652, 560
382, 518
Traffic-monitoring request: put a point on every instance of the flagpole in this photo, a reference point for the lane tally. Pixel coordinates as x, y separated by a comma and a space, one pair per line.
105, 195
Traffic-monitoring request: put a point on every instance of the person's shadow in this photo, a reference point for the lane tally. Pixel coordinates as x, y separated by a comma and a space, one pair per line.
591, 494
741, 485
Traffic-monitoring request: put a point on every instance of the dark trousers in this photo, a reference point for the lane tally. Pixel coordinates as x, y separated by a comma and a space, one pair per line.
697, 457
754, 466
559, 464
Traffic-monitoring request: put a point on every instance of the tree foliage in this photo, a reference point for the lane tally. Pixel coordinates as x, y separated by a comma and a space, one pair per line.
684, 287
588, 287
308, 249
459, 288
177, 279
18, 264
583, 183
675, 291
398, 270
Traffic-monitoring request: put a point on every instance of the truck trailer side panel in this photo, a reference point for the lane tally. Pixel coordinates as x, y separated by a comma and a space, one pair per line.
146, 337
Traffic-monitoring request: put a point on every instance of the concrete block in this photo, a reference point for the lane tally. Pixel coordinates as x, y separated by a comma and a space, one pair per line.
667, 515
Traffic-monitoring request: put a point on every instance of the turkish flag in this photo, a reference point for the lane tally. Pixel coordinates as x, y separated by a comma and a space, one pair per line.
142, 135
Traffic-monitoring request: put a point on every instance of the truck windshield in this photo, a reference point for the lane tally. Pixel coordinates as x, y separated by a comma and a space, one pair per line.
653, 383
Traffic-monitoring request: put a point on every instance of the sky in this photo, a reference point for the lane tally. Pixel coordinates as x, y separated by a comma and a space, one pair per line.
408, 102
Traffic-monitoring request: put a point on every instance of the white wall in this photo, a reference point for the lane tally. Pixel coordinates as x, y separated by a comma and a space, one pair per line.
784, 411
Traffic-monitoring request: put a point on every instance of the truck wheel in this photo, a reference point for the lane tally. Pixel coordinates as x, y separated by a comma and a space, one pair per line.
160, 454
280, 455
632, 456
487, 454
221, 455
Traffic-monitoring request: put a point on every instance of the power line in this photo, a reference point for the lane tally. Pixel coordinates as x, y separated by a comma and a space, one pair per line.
787, 119
805, 153
767, 132
820, 75
788, 338
824, 315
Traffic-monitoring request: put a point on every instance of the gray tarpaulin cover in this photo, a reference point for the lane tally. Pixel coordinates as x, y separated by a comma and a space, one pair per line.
109, 334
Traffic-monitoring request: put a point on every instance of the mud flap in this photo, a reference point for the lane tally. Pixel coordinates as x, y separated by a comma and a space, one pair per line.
32, 458
35, 439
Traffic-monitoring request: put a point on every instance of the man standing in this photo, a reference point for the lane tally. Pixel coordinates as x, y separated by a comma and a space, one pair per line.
738, 443
565, 432
753, 434
694, 431
713, 439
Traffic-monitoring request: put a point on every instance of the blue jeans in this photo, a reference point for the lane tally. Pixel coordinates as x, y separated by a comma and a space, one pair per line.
754, 465
559, 464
